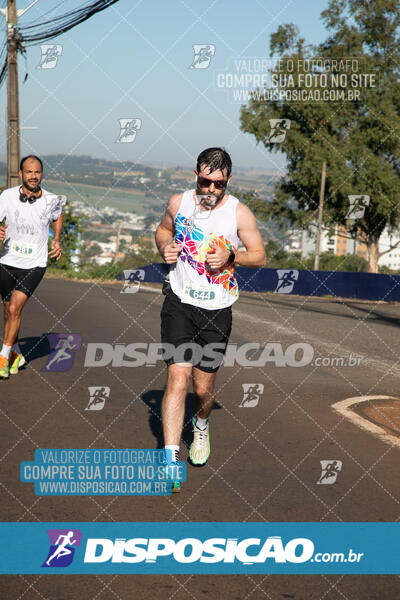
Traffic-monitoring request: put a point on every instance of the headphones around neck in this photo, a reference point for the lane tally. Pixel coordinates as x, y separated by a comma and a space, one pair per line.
25, 198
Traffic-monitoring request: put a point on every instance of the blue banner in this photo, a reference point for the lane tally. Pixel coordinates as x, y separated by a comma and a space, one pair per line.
102, 472
366, 286
198, 548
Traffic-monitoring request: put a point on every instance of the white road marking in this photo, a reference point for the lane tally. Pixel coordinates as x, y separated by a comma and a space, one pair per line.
149, 288
343, 407
382, 366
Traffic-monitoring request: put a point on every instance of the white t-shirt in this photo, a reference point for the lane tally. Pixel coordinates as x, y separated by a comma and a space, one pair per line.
27, 234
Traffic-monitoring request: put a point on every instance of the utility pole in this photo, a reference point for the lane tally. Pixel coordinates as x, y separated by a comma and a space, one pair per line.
13, 151
320, 212
117, 241
11, 15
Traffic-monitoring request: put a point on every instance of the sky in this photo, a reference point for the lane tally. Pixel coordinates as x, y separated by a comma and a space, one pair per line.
132, 61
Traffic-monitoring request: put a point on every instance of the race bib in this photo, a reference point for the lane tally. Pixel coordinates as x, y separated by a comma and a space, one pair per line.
202, 295
23, 249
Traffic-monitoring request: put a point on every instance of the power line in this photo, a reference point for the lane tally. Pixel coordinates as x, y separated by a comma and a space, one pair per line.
18, 38
32, 34
36, 33
47, 13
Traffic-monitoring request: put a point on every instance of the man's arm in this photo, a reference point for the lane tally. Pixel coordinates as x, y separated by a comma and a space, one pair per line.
254, 255
55, 244
168, 249
3, 228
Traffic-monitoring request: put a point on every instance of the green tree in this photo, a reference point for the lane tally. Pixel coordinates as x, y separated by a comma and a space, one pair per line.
70, 237
359, 139
280, 259
144, 255
87, 253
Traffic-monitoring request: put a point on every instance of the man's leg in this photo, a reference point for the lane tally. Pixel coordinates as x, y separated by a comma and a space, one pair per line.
5, 350
173, 403
173, 411
203, 387
6, 314
12, 316
12, 322
7, 284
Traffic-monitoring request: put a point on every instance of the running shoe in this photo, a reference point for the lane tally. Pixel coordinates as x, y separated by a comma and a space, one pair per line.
176, 487
200, 449
16, 362
4, 368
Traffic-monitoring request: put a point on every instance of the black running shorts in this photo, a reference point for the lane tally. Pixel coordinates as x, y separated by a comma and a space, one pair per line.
24, 280
194, 335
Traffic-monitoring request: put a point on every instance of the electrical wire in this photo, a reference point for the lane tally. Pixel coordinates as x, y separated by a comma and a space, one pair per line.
47, 13
31, 34
39, 32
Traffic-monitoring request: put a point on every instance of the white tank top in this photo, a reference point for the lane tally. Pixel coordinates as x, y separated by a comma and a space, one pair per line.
196, 231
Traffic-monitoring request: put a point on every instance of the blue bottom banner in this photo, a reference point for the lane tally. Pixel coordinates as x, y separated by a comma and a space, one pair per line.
199, 548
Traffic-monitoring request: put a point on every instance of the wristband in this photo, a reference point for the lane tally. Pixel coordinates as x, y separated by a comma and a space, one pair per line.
232, 257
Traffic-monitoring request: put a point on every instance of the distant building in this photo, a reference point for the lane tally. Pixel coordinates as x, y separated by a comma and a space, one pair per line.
390, 259
341, 243
293, 241
327, 243
345, 244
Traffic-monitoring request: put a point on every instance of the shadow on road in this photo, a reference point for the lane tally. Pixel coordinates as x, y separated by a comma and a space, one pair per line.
153, 399
35, 347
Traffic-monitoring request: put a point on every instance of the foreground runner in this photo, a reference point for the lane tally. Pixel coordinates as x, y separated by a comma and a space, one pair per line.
207, 224
28, 212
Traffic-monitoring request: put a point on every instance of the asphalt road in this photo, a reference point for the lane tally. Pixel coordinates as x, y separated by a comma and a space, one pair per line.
265, 461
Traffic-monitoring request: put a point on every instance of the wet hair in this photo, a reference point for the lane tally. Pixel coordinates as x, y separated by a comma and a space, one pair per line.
21, 164
216, 159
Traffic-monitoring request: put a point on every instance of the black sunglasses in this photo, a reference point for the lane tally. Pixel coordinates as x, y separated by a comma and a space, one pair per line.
204, 182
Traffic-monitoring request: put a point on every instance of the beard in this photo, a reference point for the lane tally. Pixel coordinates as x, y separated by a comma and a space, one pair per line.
209, 200
31, 188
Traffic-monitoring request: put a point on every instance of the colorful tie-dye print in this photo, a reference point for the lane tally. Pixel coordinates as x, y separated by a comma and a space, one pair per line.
196, 246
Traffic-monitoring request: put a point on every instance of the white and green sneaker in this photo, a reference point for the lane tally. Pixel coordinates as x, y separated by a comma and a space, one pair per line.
200, 449
16, 362
4, 368
176, 487
172, 458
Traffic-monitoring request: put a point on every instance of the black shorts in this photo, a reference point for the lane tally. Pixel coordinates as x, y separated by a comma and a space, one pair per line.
23, 280
193, 334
